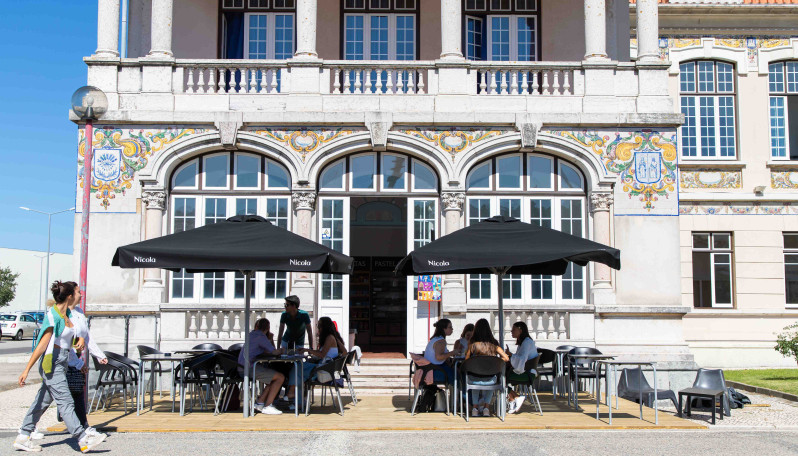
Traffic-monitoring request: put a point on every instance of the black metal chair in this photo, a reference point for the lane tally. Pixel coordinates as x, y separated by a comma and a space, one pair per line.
526, 383
711, 379
131, 364
152, 369
230, 378
112, 375
563, 369
479, 367
632, 383
325, 376
347, 378
198, 372
582, 368
207, 346
546, 356
424, 371
235, 347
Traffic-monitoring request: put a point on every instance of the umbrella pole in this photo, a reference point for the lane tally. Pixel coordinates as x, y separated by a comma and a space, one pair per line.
247, 292
501, 309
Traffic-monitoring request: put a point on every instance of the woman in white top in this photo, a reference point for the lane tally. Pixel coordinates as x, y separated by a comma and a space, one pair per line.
436, 351
525, 351
331, 346
76, 362
461, 345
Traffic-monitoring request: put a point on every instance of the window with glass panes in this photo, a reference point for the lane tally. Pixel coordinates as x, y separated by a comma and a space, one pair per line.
502, 30
378, 172
707, 99
783, 101
211, 188
537, 189
380, 29
712, 270
791, 269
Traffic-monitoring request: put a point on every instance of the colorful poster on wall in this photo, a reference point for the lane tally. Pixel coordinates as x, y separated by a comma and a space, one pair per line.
429, 288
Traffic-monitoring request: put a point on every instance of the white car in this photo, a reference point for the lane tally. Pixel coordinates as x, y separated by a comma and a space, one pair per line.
18, 325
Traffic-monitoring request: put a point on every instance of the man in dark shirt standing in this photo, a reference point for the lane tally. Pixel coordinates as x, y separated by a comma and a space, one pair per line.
294, 323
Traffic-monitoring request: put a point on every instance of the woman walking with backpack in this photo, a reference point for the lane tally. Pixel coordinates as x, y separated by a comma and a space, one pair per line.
53, 346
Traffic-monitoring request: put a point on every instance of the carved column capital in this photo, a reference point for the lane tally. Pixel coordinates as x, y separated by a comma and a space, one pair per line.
154, 199
600, 202
304, 200
453, 201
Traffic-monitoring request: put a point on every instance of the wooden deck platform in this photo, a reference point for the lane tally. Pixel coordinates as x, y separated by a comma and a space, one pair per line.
382, 413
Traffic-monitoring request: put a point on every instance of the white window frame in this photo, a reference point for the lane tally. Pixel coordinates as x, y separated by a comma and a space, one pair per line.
788, 251
205, 171
391, 33
260, 172
491, 212
382, 176
267, 183
489, 164
270, 32
557, 224
552, 173
560, 165
520, 159
484, 6
343, 303
512, 20
783, 95
180, 168
413, 8
413, 163
344, 175
715, 95
712, 252
375, 178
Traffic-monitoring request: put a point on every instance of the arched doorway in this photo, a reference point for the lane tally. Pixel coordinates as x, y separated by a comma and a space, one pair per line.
376, 207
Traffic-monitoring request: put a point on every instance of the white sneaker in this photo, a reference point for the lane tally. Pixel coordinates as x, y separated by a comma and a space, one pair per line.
36, 435
271, 410
24, 443
258, 407
486, 411
475, 412
89, 430
518, 402
89, 441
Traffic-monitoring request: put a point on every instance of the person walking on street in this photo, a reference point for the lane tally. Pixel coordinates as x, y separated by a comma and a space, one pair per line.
53, 346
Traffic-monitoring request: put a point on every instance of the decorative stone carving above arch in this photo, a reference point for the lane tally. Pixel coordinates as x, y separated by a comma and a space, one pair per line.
452, 201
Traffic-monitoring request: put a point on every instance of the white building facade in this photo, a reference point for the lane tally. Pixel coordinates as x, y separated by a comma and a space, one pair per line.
375, 126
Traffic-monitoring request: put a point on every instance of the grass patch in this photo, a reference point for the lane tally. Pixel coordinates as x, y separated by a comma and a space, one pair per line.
784, 380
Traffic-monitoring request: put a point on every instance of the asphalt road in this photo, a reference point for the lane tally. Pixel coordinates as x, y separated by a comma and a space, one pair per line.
571, 443
15, 347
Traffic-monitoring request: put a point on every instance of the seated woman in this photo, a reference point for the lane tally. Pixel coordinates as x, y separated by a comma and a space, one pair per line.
525, 351
331, 345
483, 344
261, 342
437, 353
461, 345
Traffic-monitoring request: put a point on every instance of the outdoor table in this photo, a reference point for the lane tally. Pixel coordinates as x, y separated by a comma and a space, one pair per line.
614, 364
299, 363
559, 373
194, 351
711, 394
152, 359
576, 372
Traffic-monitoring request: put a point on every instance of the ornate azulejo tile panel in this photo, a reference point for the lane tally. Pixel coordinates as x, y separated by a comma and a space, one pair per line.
119, 153
751, 44
305, 141
645, 162
454, 140
784, 179
710, 178
742, 208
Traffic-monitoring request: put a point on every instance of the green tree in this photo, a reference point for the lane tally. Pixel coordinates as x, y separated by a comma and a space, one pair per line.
8, 286
787, 342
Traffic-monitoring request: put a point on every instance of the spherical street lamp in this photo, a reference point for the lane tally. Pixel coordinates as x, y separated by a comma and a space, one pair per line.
88, 103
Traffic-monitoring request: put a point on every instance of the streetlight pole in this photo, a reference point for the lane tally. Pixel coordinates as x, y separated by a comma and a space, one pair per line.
49, 229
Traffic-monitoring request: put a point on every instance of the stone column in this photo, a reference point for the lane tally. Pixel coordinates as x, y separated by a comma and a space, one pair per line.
161, 30
451, 29
306, 12
647, 30
453, 284
595, 30
107, 28
155, 204
602, 276
304, 202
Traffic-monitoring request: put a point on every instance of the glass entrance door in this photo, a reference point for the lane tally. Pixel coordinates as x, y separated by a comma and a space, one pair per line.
422, 229
334, 289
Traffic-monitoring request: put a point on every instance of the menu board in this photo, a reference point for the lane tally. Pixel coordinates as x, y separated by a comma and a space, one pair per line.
429, 288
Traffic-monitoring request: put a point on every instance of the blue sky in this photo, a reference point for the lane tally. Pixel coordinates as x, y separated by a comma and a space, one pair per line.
42, 44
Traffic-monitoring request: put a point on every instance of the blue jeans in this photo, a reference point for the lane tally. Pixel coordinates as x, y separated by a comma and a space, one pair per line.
439, 377
482, 396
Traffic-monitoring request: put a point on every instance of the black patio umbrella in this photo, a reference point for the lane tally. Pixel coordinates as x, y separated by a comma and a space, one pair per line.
503, 245
244, 243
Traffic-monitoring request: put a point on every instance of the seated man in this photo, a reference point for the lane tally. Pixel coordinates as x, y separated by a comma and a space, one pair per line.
260, 342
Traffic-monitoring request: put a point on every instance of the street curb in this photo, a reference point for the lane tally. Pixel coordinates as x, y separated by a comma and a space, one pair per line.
760, 390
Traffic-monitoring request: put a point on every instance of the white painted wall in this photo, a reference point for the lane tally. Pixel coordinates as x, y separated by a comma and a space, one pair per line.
32, 273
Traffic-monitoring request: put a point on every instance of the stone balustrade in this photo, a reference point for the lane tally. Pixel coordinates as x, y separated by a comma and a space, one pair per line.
533, 78
379, 77
542, 324
244, 76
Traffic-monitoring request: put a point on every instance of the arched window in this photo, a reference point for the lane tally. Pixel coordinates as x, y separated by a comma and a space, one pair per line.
378, 172
707, 98
783, 89
213, 187
537, 189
